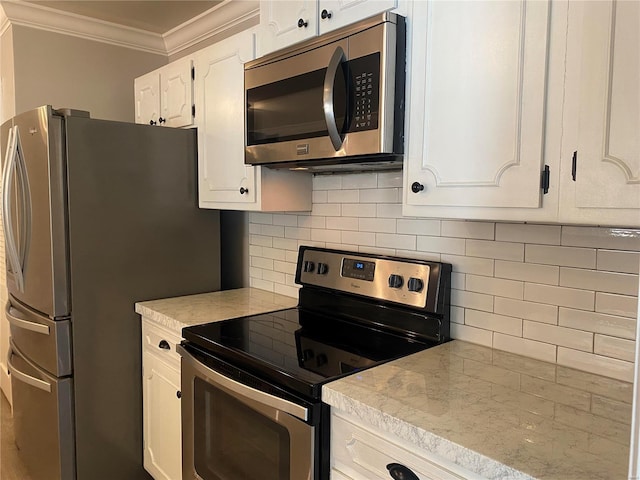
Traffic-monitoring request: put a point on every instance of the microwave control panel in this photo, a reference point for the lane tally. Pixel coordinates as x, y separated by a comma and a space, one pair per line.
365, 81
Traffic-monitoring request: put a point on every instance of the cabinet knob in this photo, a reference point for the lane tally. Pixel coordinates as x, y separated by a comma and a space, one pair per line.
400, 472
302, 23
325, 14
243, 190
164, 345
179, 394
162, 120
152, 122
417, 187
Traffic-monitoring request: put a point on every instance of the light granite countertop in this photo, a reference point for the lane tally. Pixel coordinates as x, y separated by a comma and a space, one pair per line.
179, 312
499, 415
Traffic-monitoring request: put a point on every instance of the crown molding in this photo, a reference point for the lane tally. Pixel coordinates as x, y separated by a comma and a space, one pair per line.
214, 21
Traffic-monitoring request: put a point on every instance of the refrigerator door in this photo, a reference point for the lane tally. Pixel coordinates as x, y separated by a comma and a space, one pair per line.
43, 420
45, 342
34, 211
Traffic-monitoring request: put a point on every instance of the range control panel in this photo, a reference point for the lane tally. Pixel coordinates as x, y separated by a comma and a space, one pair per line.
399, 280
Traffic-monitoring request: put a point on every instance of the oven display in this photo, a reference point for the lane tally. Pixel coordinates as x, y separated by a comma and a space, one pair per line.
359, 269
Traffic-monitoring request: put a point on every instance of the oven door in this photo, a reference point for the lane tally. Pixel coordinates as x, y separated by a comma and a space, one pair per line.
233, 431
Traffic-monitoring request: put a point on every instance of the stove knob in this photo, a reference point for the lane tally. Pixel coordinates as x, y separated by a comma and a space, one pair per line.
415, 284
323, 268
308, 266
395, 281
321, 360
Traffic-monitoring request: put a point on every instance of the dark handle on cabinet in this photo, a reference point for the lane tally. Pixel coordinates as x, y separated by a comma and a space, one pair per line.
164, 345
151, 122
417, 187
243, 190
400, 472
325, 14
162, 120
179, 394
302, 23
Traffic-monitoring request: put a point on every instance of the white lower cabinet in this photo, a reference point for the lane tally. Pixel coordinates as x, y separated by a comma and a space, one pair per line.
361, 452
161, 402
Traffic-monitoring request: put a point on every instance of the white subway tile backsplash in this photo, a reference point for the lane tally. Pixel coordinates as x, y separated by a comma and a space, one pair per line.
615, 347
609, 367
378, 225
498, 250
567, 337
495, 286
562, 256
527, 272
441, 244
521, 288
621, 327
476, 266
523, 346
618, 261
392, 240
419, 226
493, 322
617, 304
359, 210
610, 282
562, 296
609, 238
463, 229
538, 312
527, 233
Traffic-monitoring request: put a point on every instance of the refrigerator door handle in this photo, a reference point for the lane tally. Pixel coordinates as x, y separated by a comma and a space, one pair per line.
23, 377
25, 197
7, 177
23, 323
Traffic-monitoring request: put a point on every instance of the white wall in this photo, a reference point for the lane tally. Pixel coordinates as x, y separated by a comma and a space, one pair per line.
562, 294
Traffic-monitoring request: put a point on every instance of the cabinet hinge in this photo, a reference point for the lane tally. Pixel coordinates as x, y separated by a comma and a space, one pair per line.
574, 165
193, 110
193, 73
544, 179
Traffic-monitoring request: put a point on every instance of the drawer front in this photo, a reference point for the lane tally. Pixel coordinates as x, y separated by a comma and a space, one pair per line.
358, 454
160, 342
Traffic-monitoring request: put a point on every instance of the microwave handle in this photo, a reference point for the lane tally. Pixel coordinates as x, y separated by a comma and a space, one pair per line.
327, 97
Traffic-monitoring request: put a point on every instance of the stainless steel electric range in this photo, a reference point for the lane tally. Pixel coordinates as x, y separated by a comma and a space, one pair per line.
251, 404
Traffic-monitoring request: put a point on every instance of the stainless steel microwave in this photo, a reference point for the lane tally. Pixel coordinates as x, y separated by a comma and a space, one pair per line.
335, 102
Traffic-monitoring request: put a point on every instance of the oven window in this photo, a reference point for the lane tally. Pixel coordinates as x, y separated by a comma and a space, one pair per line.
233, 441
292, 109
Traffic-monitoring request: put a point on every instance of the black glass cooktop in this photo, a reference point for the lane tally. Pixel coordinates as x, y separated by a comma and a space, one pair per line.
299, 349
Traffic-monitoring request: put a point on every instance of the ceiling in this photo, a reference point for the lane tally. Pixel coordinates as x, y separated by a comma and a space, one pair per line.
155, 16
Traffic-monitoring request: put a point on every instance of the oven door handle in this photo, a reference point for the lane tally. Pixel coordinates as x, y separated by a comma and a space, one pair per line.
327, 97
281, 404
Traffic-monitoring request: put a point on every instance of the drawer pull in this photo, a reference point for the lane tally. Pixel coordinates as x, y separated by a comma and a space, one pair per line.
400, 472
164, 345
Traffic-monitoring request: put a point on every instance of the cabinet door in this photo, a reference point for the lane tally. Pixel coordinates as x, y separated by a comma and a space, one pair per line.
285, 22
177, 93
603, 114
162, 431
147, 93
223, 176
477, 96
338, 13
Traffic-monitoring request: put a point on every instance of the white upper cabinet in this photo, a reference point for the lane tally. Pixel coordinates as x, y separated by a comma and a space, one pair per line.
602, 119
476, 127
286, 22
225, 182
165, 96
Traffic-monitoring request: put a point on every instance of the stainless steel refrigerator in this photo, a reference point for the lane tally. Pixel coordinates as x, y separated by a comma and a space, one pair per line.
97, 215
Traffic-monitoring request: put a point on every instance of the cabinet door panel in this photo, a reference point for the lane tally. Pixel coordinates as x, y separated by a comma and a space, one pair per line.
344, 12
608, 172
177, 93
147, 92
220, 99
279, 23
477, 119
